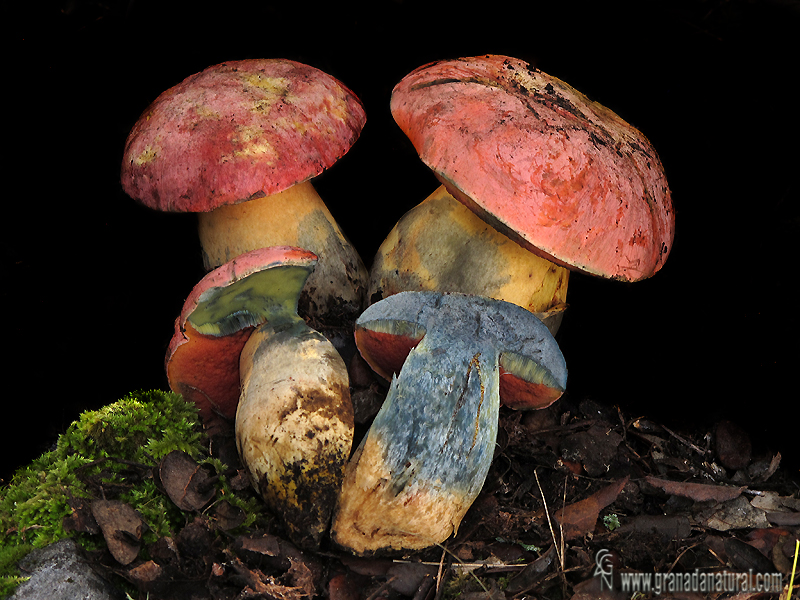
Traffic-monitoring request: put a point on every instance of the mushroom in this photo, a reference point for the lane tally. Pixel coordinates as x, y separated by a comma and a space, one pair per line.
238, 143
564, 177
241, 348
425, 457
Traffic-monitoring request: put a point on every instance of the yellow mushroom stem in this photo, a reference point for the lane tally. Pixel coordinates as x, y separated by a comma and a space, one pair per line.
440, 245
295, 217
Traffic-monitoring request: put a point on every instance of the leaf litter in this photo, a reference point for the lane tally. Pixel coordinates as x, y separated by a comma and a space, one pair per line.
566, 483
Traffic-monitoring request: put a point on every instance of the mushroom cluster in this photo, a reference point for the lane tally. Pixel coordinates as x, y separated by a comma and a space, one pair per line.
466, 292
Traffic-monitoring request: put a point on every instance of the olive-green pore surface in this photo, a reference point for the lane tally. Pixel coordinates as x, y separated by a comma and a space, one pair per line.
268, 295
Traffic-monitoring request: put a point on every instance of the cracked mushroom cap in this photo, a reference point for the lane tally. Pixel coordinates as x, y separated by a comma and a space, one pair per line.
219, 316
238, 130
563, 176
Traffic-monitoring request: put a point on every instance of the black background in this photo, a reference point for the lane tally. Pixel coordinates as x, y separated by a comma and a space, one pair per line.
92, 281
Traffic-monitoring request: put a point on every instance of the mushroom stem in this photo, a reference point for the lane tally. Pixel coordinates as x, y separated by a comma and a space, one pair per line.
298, 217
294, 425
426, 455
440, 245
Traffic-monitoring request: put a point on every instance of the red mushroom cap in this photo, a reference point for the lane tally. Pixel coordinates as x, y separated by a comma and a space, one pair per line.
563, 176
202, 359
238, 130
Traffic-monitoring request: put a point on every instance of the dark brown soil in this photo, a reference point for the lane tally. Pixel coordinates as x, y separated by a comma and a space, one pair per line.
573, 486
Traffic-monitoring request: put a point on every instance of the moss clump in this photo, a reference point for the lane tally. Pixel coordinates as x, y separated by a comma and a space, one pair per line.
9, 574
106, 451
141, 428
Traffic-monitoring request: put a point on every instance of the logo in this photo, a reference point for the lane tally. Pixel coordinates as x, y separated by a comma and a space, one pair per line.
605, 569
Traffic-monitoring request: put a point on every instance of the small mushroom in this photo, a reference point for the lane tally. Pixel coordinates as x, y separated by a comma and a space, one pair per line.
564, 177
426, 455
238, 143
241, 348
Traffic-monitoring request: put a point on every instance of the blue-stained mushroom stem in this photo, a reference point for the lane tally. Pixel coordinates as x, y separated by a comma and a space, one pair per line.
426, 456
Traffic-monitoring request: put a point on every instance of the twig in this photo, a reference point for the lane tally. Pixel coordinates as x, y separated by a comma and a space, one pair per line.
549, 522
685, 442
685, 550
466, 567
424, 588
381, 589
440, 571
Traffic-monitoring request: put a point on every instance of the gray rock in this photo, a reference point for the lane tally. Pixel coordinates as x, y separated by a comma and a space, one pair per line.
59, 572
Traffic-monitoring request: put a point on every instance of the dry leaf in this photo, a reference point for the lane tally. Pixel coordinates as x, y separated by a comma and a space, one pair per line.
699, 492
122, 528
673, 527
734, 514
579, 518
189, 485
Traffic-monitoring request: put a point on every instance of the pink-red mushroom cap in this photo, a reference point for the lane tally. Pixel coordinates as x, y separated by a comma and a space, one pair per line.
560, 174
236, 131
218, 317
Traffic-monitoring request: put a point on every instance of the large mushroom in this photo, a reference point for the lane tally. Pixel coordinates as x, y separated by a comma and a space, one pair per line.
241, 348
425, 457
564, 177
238, 143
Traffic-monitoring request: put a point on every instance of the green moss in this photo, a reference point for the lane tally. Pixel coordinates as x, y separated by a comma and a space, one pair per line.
142, 427
9, 573
98, 450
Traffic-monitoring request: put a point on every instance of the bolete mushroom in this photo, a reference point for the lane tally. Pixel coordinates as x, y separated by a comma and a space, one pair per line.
241, 348
238, 143
564, 177
425, 457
